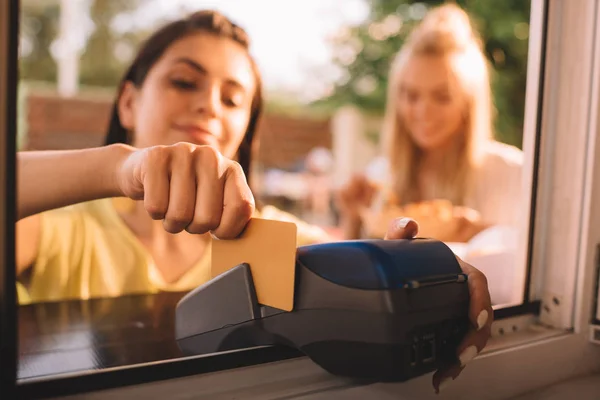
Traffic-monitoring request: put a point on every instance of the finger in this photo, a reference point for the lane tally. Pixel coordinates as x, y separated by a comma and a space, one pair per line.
182, 196
445, 374
402, 228
156, 190
472, 344
209, 195
470, 347
481, 313
481, 317
238, 204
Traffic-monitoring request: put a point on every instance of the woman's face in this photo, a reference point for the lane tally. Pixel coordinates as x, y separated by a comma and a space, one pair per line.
199, 91
431, 103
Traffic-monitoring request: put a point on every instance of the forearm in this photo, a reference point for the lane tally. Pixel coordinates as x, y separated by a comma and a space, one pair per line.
53, 179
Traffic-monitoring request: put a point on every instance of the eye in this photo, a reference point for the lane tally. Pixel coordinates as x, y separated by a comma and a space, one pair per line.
233, 100
183, 84
443, 98
230, 102
411, 96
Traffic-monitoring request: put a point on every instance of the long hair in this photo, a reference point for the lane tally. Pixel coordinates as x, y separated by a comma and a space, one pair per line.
445, 32
202, 21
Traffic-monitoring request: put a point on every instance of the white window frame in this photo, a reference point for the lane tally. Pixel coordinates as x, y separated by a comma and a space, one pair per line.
545, 349
562, 267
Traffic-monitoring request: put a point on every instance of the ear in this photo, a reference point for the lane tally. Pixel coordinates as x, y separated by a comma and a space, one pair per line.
126, 106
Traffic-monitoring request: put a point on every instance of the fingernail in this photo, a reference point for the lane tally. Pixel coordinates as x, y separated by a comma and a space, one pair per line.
402, 223
482, 319
467, 355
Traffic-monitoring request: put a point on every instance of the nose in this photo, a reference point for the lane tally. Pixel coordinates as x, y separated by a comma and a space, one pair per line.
423, 109
208, 101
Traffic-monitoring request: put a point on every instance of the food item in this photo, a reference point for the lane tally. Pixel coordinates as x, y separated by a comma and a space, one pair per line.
438, 219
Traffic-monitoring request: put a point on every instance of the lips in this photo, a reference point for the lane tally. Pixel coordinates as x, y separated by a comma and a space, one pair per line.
197, 134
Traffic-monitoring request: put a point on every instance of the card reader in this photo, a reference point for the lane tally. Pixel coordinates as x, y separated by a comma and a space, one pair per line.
378, 310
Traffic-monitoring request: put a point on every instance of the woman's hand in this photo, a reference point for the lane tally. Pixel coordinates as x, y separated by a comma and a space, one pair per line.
467, 223
188, 187
355, 196
480, 308
352, 200
481, 316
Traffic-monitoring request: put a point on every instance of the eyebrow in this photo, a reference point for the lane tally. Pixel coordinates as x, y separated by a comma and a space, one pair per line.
201, 69
437, 89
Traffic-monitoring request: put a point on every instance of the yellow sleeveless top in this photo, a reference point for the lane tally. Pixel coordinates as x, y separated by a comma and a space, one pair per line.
87, 251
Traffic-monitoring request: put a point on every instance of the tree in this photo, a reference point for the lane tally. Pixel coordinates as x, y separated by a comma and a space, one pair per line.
39, 27
364, 53
100, 63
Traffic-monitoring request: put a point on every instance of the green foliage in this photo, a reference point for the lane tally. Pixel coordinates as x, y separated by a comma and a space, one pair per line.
503, 25
100, 65
364, 54
39, 27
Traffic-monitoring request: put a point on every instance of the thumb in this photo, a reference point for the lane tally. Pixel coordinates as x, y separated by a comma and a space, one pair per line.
402, 228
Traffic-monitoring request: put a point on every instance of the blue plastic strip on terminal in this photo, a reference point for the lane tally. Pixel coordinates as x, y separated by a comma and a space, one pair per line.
383, 264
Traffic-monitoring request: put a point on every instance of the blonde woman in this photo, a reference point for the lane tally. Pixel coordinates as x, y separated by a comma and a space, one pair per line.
445, 169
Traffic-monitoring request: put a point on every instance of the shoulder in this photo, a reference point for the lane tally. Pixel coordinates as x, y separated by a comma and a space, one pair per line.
66, 233
78, 223
88, 207
501, 157
502, 152
100, 211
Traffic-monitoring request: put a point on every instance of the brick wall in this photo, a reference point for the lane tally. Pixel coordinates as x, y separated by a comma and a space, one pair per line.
61, 123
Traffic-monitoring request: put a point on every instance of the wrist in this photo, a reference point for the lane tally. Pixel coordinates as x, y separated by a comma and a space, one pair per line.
352, 218
351, 227
116, 155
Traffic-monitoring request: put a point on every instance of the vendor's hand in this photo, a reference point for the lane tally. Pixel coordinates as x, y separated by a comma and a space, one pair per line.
355, 196
188, 187
438, 219
481, 314
402, 228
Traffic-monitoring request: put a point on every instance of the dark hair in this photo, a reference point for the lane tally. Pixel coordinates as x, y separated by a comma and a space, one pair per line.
202, 21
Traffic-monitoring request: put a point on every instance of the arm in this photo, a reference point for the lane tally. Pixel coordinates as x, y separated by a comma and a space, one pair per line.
351, 227
54, 179
352, 199
188, 187
27, 242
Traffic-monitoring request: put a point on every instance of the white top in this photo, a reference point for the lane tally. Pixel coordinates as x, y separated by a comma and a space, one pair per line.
497, 189
497, 184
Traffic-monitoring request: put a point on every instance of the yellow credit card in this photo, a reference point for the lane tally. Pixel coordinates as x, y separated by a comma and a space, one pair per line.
269, 247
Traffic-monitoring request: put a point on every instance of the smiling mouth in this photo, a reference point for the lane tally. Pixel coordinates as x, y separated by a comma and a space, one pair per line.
427, 130
197, 135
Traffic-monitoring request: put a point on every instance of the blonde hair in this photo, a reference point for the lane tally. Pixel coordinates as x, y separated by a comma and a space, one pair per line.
446, 32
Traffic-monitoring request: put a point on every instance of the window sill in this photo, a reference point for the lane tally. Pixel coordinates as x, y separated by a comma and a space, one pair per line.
511, 365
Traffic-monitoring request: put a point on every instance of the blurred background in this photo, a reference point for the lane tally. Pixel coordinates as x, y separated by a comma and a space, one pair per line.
324, 62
